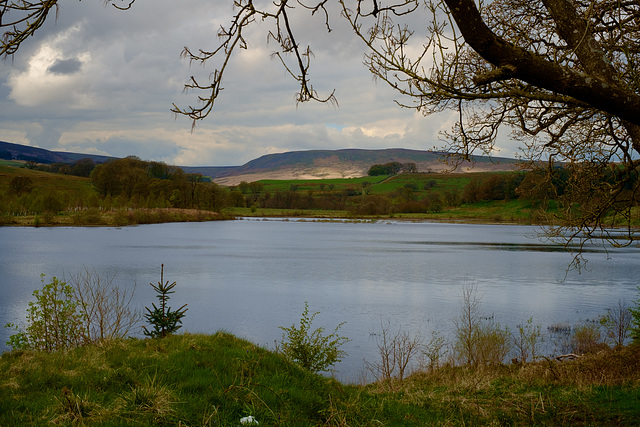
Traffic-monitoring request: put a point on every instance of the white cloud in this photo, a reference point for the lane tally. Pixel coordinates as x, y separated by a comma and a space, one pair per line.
38, 84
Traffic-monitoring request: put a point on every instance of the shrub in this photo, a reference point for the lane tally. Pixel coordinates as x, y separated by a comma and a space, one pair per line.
106, 309
164, 320
88, 309
54, 320
311, 349
435, 350
586, 338
397, 350
528, 341
478, 340
617, 323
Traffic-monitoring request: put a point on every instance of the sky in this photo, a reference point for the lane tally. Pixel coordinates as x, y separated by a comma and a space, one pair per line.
98, 80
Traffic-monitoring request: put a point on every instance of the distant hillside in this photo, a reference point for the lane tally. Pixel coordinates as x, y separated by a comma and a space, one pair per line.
10, 151
311, 164
347, 163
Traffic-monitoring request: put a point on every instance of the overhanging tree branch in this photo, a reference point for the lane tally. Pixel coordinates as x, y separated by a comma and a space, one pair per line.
540, 72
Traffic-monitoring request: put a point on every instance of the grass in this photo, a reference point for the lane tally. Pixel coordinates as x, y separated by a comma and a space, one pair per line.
208, 380
336, 184
113, 217
512, 211
74, 186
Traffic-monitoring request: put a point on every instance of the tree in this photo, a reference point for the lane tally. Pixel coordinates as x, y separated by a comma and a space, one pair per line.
561, 75
20, 184
163, 319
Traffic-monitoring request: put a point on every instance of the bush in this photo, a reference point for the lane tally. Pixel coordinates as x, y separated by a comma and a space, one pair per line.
478, 340
106, 309
89, 310
586, 338
617, 323
54, 320
397, 350
310, 349
435, 350
528, 341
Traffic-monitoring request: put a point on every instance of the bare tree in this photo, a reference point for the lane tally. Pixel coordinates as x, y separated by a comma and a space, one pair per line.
107, 310
617, 323
561, 75
478, 340
397, 351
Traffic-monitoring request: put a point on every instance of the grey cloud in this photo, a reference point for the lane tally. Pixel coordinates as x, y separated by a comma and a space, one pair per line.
135, 74
65, 66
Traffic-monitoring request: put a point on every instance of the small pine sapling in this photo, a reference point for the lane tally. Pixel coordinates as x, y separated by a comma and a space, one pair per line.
164, 320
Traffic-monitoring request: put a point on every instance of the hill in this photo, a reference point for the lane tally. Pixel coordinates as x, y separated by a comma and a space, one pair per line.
346, 163
311, 164
9, 151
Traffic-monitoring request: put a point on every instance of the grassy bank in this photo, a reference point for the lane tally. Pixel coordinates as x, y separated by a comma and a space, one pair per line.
208, 380
93, 217
493, 212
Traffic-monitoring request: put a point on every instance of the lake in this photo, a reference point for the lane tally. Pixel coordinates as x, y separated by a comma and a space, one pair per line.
251, 276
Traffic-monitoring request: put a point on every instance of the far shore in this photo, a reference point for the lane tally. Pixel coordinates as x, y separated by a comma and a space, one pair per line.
128, 217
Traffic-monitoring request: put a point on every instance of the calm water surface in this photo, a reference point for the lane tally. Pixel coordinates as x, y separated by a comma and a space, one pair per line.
249, 277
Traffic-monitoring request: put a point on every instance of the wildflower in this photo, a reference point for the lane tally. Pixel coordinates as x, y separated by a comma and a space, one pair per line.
248, 420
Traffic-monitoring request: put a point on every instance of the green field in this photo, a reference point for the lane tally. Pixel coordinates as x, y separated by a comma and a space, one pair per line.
376, 184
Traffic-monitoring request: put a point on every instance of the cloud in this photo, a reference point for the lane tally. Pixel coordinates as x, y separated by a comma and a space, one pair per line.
102, 81
65, 66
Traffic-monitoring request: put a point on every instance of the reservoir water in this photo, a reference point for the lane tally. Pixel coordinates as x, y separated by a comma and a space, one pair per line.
249, 277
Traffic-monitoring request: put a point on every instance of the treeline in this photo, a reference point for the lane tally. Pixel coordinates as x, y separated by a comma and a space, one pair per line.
140, 184
122, 183
424, 194
136, 184
421, 195
392, 168
81, 167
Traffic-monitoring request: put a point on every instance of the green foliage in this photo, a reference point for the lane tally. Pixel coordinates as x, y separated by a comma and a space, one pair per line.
527, 341
88, 309
390, 168
54, 320
311, 349
164, 320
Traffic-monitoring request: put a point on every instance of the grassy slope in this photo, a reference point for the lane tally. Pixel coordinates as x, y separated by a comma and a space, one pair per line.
73, 188
217, 379
46, 182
